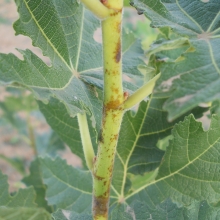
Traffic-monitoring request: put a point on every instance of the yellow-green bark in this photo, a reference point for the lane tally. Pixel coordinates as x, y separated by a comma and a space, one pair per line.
114, 105
112, 114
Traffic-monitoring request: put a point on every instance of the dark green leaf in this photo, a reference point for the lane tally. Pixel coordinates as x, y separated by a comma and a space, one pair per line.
195, 78
48, 144
66, 126
64, 31
23, 214
67, 187
23, 198
35, 180
189, 167
68, 215
137, 150
17, 163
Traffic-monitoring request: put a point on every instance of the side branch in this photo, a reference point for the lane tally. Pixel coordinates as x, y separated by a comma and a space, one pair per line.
98, 9
86, 140
140, 94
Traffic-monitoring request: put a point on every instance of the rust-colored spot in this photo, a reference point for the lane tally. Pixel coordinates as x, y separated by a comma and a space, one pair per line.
113, 104
118, 26
116, 136
94, 160
104, 2
115, 12
103, 117
115, 89
126, 94
101, 139
118, 51
114, 115
110, 168
99, 178
100, 207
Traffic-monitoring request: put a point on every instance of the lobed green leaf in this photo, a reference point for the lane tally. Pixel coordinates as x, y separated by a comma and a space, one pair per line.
194, 79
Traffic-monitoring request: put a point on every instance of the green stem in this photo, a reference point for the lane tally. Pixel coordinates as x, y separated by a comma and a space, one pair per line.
86, 140
112, 114
140, 94
98, 9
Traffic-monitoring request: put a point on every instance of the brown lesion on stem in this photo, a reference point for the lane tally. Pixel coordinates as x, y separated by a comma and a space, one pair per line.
126, 95
115, 11
118, 51
114, 104
99, 178
100, 207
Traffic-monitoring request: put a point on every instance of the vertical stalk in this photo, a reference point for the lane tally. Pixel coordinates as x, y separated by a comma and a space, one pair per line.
112, 114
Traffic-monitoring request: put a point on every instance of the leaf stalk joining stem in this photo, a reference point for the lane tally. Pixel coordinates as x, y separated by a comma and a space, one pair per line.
140, 94
114, 104
98, 9
86, 140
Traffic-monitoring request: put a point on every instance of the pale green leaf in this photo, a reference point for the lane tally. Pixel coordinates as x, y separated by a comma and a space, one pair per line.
23, 198
67, 187
64, 31
166, 210
188, 171
141, 211
194, 79
35, 179
15, 162
65, 126
215, 108
23, 214
20, 206
137, 150
69, 215
48, 143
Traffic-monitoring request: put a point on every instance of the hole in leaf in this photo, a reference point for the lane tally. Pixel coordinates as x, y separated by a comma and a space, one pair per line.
97, 36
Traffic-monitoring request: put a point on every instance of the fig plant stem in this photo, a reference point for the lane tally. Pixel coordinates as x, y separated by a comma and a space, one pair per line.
112, 114
114, 105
